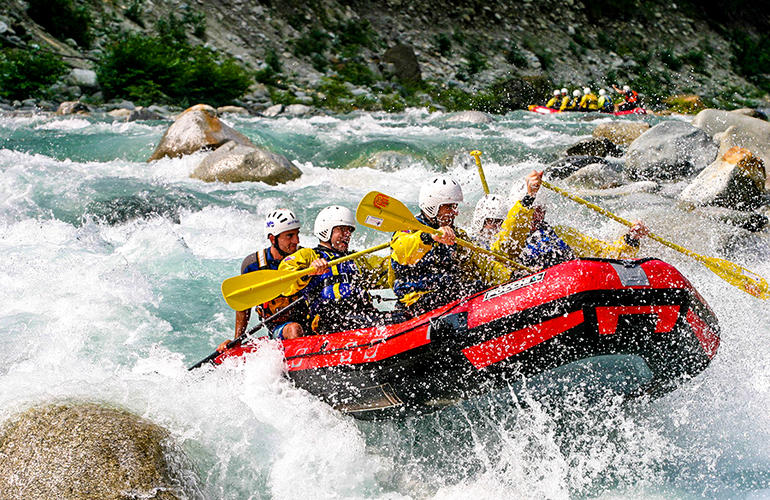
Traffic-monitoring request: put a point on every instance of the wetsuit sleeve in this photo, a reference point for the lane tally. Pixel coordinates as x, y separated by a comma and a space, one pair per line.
583, 101
298, 261
374, 271
586, 246
514, 232
564, 103
408, 247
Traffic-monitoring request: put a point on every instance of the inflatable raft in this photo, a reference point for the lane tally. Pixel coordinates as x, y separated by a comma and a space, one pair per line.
547, 111
579, 310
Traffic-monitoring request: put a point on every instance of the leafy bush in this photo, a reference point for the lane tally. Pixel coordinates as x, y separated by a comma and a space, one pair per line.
134, 11
515, 57
63, 19
356, 72
316, 41
476, 61
605, 42
156, 69
751, 57
356, 32
670, 59
25, 73
443, 44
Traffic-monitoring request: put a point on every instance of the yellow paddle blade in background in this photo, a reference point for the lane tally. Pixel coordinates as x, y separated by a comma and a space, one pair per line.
247, 290
385, 213
734, 274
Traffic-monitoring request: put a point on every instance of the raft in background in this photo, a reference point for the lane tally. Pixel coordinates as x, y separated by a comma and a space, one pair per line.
543, 110
579, 310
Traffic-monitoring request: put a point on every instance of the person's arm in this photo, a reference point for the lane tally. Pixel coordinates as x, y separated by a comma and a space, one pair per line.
625, 247
518, 222
408, 247
298, 261
241, 322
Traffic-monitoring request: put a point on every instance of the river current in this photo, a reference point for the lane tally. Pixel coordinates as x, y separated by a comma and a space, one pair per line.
109, 286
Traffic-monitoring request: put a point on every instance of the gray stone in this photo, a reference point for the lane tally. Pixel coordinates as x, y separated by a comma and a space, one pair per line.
621, 133
751, 221
564, 167
235, 162
597, 176
751, 112
141, 113
297, 110
404, 60
236, 110
273, 111
470, 117
594, 147
84, 78
119, 113
670, 150
85, 450
735, 180
194, 129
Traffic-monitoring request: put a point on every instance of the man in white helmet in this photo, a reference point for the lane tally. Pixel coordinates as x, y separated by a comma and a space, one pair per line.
429, 269
564, 99
526, 237
282, 231
588, 102
605, 102
337, 295
488, 217
631, 98
554, 101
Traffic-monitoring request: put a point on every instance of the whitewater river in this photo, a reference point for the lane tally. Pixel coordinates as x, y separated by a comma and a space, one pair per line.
109, 285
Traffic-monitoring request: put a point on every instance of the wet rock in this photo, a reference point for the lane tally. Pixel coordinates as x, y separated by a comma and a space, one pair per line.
751, 112
746, 132
72, 107
624, 190
470, 117
85, 450
297, 110
597, 176
685, 103
236, 110
386, 161
621, 133
735, 180
273, 111
564, 167
142, 113
670, 150
120, 113
234, 162
750, 221
404, 61
595, 147
194, 129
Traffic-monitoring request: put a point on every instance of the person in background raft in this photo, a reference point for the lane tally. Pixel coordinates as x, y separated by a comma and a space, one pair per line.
573, 103
338, 295
554, 101
564, 99
525, 236
430, 270
630, 96
588, 102
605, 102
488, 217
282, 230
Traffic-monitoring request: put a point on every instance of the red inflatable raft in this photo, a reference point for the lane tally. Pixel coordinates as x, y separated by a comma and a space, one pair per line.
547, 111
578, 310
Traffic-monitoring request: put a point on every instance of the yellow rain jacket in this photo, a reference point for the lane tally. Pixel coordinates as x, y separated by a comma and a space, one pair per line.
553, 102
589, 102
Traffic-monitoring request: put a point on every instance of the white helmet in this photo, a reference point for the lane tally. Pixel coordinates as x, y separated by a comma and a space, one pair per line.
586, 90
626, 88
556, 92
564, 91
602, 92
440, 190
576, 93
490, 206
279, 221
331, 217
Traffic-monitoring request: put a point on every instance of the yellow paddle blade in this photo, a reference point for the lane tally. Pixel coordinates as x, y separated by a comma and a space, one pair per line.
736, 275
385, 213
247, 290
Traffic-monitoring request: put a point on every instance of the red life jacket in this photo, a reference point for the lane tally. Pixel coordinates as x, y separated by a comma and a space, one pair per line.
632, 96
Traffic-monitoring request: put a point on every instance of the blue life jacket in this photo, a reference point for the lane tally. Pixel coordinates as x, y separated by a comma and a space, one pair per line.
338, 288
544, 248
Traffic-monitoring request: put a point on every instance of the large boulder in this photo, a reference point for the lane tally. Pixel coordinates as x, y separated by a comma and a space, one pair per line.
598, 176
235, 162
746, 132
564, 167
72, 108
84, 78
140, 113
194, 129
594, 147
670, 150
404, 61
84, 451
750, 221
470, 117
620, 133
735, 180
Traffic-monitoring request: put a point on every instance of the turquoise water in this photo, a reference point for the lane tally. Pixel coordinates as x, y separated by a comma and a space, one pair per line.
110, 289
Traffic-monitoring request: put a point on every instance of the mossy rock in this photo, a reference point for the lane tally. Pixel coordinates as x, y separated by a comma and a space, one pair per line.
685, 104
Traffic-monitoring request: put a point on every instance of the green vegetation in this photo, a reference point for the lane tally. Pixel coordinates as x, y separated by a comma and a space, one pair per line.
63, 19
670, 60
167, 69
515, 57
752, 58
25, 73
443, 44
315, 41
270, 74
134, 12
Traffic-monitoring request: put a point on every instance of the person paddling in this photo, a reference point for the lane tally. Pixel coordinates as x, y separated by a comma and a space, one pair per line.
337, 295
588, 102
605, 102
630, 96
429, 269
282, 231
554, 101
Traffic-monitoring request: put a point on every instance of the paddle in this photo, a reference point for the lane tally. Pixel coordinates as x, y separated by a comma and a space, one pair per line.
477, 154
382, 212
243, 337
734, 274
247, 290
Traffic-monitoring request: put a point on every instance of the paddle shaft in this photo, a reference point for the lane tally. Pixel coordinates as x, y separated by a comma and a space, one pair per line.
477, 154
240, 339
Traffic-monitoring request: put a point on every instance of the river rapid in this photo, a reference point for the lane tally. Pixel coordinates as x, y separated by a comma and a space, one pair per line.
109, 286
